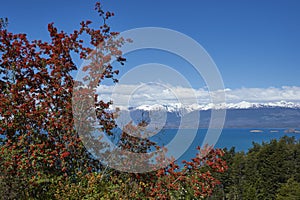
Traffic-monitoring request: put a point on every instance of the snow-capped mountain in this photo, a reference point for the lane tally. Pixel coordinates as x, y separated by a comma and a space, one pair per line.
280, 114
178, 107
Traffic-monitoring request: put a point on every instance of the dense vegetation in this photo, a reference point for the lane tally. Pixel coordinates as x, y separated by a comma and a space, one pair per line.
267, 171
42, 154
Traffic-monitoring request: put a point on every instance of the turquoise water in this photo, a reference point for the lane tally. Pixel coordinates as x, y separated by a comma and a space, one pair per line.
184, 147
241, 139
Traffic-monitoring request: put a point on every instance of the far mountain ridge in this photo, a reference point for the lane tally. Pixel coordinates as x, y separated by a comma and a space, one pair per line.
242, 115
173, 107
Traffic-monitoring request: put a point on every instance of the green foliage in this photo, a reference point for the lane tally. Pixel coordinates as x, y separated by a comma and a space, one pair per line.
266, 171
289, 190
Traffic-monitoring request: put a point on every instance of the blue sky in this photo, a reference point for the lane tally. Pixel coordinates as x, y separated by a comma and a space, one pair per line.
255, 44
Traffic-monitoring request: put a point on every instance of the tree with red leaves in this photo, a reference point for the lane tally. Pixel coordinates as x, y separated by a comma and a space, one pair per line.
36, 123
41, 151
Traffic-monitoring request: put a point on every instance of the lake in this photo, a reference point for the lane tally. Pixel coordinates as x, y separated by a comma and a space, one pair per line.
241, 139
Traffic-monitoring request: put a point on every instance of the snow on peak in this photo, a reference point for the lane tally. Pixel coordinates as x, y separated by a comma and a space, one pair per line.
178, 107
150, 107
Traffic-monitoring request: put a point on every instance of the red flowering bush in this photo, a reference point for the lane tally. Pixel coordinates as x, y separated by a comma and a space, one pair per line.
42, 155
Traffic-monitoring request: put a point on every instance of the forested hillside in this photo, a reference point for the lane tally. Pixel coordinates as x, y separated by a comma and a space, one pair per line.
267, 171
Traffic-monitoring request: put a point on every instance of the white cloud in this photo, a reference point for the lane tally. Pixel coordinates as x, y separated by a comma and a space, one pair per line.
149, 94
270, 94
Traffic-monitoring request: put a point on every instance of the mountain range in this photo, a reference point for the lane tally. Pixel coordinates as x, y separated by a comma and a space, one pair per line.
280, 114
